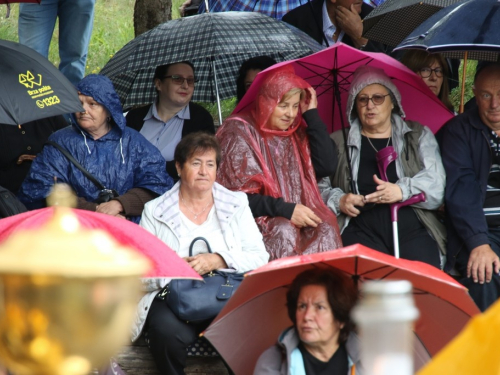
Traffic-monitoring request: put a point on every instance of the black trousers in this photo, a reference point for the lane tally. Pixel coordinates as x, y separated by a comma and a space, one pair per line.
484, 295
415, 243
169, 337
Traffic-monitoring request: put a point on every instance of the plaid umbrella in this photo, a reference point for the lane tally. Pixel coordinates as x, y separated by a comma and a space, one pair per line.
272, 8
394, 20
216, 43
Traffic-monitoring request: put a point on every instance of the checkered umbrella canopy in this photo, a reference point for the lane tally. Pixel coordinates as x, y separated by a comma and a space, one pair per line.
394, 20
226, 39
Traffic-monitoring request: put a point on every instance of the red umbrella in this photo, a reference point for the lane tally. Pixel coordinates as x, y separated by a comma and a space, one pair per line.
254, 317
330, 72
166, 263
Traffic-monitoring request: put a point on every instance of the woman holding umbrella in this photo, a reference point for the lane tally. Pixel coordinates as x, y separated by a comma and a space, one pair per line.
271, 155
130, 169
375, 115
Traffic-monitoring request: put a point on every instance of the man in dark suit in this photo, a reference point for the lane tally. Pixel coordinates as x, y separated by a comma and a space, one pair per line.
329, 21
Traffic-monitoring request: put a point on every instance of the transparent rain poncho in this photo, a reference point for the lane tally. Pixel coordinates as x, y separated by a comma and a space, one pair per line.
256, 159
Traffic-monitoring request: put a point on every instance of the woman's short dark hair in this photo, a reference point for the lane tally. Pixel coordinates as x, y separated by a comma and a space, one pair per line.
199, 142
258, 63
341, 291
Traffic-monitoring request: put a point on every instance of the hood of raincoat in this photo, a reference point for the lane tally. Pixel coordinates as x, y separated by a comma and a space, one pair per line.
277, 84
368, 75
102, 90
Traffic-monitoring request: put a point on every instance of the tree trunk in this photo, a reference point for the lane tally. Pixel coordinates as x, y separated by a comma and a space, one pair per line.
150, 13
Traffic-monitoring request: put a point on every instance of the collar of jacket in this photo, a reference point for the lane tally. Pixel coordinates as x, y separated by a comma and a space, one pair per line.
225, 202
289, 340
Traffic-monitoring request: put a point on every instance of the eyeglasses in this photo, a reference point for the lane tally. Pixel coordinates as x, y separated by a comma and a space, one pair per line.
377, 99
426, 72
179, 80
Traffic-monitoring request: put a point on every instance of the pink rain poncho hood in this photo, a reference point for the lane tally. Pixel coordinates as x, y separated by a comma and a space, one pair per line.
260, 160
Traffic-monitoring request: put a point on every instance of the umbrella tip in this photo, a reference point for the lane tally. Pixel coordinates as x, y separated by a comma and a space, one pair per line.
62, 195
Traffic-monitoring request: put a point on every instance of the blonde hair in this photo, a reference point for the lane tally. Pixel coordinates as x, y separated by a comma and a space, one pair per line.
291, 93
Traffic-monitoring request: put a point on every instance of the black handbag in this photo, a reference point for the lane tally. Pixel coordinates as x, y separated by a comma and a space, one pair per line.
195, 300
105, 195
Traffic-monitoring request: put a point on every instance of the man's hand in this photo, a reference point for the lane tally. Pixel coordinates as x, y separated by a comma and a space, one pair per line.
350, 21
348, 204
482, 263
304, 217
204, 263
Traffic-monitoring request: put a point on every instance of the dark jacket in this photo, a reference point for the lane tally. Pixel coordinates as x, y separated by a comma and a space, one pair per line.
467, 161
121, 160
309, 18
200, 120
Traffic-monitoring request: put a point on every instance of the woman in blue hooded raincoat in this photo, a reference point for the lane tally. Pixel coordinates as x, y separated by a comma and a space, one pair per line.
119, 157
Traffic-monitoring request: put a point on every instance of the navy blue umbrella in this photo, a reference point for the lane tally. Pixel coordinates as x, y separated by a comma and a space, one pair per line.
469, 29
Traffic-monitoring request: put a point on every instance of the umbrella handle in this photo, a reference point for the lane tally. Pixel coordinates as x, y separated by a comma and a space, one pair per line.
396, 206
385, 157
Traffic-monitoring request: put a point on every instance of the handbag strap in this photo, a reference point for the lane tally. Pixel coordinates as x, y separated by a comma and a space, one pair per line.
77, 164
196, 240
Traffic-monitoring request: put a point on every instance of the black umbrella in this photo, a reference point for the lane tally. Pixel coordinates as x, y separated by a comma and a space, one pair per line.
32, 88
394, 20
469, 30
216, 43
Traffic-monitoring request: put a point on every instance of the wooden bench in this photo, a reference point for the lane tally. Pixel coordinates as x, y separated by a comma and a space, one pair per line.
135, 359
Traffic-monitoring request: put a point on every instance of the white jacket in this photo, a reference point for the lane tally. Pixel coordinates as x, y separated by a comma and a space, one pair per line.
161, 217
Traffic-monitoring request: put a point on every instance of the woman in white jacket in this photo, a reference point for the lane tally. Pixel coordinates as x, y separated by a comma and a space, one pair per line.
196, 206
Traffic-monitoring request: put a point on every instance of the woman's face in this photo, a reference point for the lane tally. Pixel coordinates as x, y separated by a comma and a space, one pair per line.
199, 172
173, 94
284, 113
430, 77
316, 325
374, 115
94, 119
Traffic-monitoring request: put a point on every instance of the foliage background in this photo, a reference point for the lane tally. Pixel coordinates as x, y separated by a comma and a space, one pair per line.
114, 27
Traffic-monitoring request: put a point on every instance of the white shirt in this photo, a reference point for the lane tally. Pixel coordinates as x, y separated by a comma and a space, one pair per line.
329, 28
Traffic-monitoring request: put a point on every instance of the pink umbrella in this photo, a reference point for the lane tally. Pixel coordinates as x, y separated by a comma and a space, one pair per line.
166, 263
330, 72
255, 315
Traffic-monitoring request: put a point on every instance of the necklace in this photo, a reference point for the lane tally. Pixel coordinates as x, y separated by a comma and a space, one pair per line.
371, 144
192, 212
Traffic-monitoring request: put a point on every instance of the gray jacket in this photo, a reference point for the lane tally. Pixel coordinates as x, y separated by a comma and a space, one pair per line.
285, 358
430, 179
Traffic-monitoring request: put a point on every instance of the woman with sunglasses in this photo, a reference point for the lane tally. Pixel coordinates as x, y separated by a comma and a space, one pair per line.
172, 116
433, 69
375, 115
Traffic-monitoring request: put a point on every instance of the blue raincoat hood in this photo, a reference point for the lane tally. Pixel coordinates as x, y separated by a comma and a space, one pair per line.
102, 90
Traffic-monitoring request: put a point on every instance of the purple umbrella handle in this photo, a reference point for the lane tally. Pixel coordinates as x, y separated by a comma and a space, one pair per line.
394, 217
396, 206
385, 157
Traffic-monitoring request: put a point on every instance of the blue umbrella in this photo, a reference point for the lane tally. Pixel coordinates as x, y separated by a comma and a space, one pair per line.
469, 29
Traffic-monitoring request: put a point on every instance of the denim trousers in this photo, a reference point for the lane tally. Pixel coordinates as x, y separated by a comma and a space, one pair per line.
76, 18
